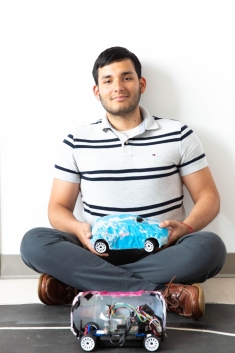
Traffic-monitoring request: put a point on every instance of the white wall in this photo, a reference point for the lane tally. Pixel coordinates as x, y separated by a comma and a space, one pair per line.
48, 48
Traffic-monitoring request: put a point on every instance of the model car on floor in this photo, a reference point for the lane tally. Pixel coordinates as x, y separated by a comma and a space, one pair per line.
113, 318
127, 231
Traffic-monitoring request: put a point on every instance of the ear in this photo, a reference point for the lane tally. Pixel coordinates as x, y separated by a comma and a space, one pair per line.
143, 84
96, 92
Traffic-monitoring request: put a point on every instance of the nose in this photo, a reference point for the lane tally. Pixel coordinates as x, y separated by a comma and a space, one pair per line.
118, 85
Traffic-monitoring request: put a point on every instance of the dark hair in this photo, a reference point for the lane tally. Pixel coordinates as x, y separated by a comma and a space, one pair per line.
115, 54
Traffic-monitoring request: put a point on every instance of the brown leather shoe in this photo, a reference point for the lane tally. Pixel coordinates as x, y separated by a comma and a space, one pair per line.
185, 300
53, 292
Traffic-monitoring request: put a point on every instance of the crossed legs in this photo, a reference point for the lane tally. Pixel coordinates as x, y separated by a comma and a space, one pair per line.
195, 258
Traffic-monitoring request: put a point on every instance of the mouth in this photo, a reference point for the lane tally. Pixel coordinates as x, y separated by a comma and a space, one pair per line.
120, 98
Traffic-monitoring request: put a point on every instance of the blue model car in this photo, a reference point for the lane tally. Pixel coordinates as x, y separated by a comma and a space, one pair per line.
127, 231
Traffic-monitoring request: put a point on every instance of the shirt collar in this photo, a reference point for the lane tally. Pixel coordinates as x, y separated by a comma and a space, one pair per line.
149, 121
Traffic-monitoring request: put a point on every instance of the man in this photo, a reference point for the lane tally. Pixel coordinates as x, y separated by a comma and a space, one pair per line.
132, 162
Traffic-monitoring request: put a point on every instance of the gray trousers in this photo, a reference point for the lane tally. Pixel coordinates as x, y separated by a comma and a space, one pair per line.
194, 258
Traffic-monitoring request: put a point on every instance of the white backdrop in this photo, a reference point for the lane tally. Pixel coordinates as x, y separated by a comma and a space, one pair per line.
48, 48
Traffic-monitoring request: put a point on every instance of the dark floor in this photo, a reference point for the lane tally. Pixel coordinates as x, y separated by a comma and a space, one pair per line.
35, 328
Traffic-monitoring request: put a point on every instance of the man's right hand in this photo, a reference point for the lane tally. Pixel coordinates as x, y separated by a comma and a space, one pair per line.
84, 234
60, 211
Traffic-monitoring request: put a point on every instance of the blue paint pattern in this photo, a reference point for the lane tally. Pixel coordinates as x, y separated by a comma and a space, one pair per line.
127, 231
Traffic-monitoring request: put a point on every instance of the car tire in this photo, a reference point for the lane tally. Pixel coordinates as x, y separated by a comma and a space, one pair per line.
101, 246
150, 245
151, 343
94, 325
88, 343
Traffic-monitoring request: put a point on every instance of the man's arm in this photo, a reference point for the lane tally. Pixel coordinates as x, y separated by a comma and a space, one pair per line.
205, 197
60, 212
206, 200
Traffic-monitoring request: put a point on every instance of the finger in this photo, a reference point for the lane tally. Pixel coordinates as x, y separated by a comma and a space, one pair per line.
102, 255
96, 253
164, 224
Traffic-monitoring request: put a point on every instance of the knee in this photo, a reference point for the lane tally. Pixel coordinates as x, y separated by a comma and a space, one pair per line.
206, 245
29, 242
213, 241
214, 246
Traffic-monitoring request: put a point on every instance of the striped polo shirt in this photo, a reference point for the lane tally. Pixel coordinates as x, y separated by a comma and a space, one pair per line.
139, 174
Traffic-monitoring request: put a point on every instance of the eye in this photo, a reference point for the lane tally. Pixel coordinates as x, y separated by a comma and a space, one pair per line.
128, 78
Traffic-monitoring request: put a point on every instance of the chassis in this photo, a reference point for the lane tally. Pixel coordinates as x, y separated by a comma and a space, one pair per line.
120, 322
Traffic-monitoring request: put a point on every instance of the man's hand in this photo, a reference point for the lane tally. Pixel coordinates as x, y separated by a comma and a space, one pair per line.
60, 211
84, 234
206, 201
176, 231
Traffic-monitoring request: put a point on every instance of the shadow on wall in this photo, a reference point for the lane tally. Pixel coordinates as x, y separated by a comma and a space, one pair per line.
161, 97
222, 165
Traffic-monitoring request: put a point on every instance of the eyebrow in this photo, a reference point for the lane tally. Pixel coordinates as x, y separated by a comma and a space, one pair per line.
123, 74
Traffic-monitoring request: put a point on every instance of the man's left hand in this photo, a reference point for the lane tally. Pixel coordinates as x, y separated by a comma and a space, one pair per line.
176, 231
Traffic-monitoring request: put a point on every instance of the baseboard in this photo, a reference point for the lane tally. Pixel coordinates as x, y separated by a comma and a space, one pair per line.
229, 267
12, 266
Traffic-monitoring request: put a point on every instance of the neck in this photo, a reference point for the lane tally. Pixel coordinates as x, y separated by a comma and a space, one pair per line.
125, 122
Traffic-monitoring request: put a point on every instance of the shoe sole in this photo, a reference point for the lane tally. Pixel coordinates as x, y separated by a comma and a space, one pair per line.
201, 299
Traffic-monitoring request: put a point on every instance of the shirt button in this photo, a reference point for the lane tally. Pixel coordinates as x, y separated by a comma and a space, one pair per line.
126, 143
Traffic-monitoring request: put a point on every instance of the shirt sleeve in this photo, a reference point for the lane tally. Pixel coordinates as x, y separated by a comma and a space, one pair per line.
193, 157
66, 167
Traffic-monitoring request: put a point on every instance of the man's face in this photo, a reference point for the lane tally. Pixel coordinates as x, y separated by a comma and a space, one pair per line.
119, 88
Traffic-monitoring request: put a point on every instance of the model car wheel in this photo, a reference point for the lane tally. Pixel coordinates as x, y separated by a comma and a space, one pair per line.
150, 245
94, 326
88, 343
151, 343
101, 246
